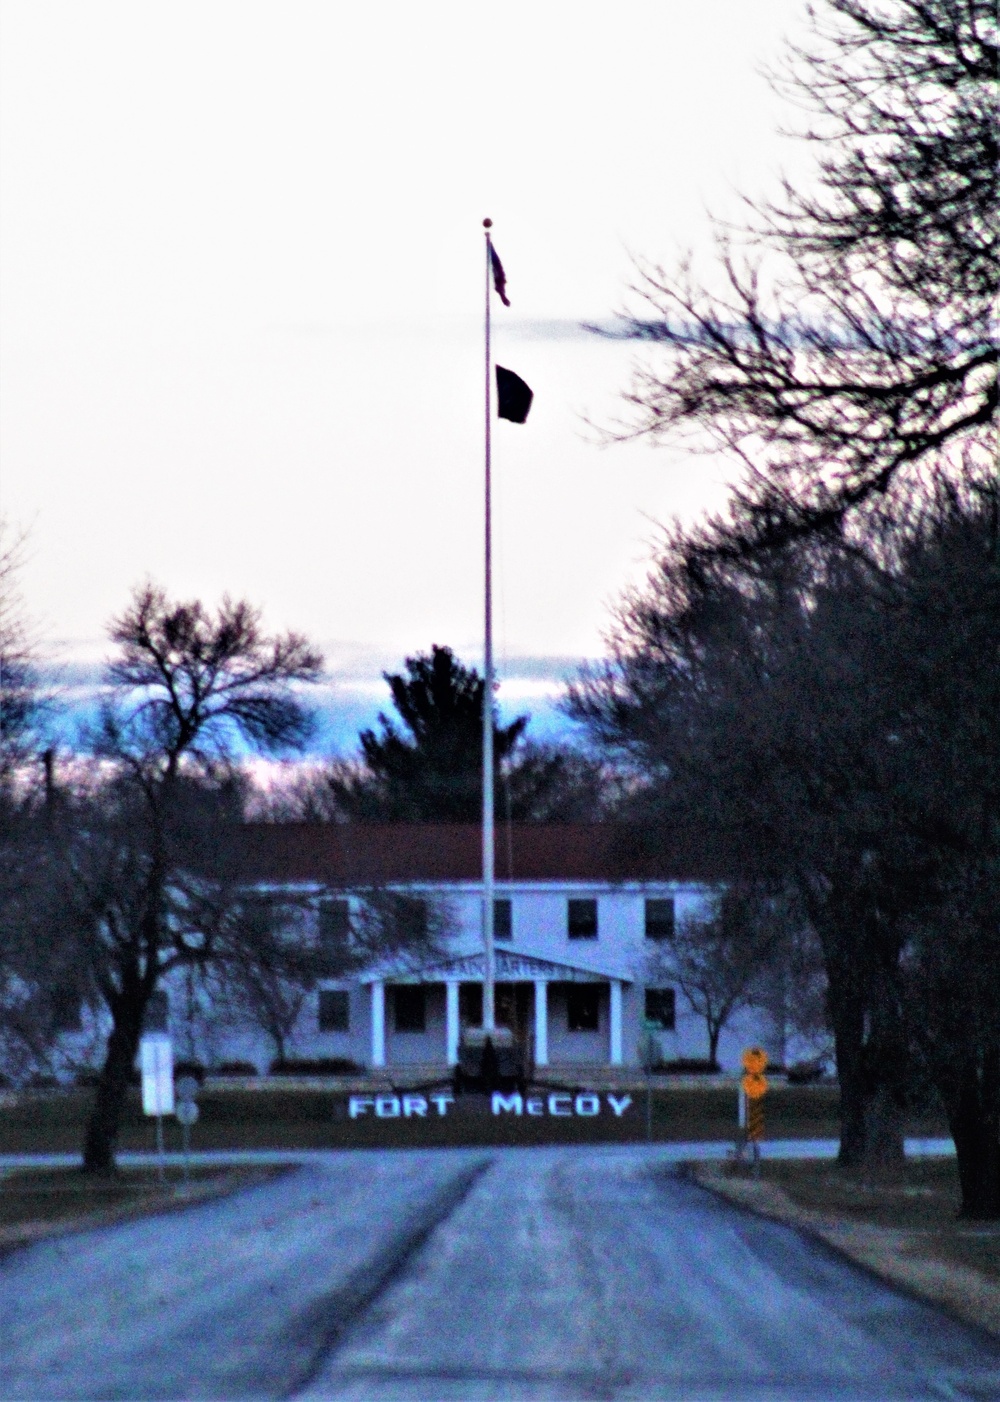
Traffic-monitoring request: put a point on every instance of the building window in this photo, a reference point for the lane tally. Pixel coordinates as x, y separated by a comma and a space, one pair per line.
157, 1012
334, 1010
661, 1008
503, 919
334, 931
67, 1010
410, 1005
582, 1008
581, 919
660, 918
410, 918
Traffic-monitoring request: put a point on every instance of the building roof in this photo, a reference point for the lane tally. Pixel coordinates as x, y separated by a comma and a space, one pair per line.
360, 854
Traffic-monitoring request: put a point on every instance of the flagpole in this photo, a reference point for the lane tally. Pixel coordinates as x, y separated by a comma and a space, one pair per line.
489, 970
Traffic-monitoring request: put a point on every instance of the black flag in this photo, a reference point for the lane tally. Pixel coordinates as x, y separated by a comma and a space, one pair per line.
513, 396
499, 276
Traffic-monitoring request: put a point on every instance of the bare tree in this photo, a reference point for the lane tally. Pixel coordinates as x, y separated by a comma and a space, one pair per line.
826, 717
146, 862
33, 994
21, 697
721, 960
855, 344
746, 703
266, 968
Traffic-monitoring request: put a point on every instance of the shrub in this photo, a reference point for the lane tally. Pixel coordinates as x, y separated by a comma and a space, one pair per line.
189, 1068
804, 1073
87, 1077
234, 1068
688, 1066
317, 1066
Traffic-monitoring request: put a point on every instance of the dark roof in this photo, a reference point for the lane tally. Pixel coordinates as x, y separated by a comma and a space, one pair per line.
358, 854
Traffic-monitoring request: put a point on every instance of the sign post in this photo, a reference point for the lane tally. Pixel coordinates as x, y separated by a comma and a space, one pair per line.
156, 1059
753, 1088
650, 1052
187, 1113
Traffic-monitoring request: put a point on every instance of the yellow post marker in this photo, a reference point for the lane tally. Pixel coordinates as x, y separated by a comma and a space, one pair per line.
754, 1088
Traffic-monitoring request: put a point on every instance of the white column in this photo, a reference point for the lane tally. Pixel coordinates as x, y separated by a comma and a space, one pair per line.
451, 1020
616, 1022
541, 1023
378, 1023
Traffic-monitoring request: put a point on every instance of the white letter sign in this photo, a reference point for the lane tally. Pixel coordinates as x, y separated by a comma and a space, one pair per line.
156, 1058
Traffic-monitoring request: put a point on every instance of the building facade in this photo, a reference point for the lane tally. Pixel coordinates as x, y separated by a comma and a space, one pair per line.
584, 922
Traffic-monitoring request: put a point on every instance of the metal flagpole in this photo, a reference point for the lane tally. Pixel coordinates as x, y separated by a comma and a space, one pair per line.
489, 972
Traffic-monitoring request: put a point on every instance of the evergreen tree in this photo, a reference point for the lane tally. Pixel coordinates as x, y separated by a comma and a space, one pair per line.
431, 769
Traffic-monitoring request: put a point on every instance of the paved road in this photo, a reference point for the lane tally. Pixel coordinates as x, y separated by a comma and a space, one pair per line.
229, 1299
554, 1273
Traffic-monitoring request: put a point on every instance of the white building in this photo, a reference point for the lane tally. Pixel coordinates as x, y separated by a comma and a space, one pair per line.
581, 916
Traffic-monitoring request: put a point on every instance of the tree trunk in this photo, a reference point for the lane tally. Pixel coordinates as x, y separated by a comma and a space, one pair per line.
112, 1088
851, 1153
714, 1032
871, 1118
974, 1121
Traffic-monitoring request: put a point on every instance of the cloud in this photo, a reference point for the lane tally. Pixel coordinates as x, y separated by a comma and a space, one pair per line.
457, 328
347, 701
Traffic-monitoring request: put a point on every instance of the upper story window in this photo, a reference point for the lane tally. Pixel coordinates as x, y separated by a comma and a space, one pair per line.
334, 929
157, 1012
410, 917
503, 919
660, 918
581, 919
67, 1010
334, 1010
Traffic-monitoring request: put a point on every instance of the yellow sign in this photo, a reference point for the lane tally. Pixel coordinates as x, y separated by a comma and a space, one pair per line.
754, 1060
754, 1085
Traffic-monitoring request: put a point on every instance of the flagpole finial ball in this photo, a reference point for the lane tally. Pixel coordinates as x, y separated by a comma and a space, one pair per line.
487, 223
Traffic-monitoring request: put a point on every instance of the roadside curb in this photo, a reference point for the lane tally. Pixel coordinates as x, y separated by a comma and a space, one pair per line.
958, 1290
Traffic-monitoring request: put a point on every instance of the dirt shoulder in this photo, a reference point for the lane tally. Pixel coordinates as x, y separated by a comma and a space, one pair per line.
40, 1203
906, 1230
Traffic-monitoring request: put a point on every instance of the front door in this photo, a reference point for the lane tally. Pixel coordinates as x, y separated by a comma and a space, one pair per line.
512, 1002
513, 1008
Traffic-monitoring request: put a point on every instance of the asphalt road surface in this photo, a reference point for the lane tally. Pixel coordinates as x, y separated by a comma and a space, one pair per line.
519, 1274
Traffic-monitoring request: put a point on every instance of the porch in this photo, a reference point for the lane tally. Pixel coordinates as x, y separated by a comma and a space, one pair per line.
561, 1013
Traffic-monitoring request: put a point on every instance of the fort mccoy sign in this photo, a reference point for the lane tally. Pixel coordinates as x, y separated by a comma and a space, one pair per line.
557, 1105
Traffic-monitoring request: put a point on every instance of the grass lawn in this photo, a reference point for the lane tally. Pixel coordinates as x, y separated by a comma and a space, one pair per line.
35, 1200
905, 1228
923, 1199
276, 1118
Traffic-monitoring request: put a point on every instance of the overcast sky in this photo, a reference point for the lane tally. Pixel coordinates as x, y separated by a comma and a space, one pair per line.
242, 293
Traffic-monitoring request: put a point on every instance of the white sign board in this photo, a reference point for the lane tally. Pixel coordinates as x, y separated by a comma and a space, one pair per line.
156, 1058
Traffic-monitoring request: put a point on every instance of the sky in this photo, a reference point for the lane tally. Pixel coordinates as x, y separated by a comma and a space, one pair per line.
241, 299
